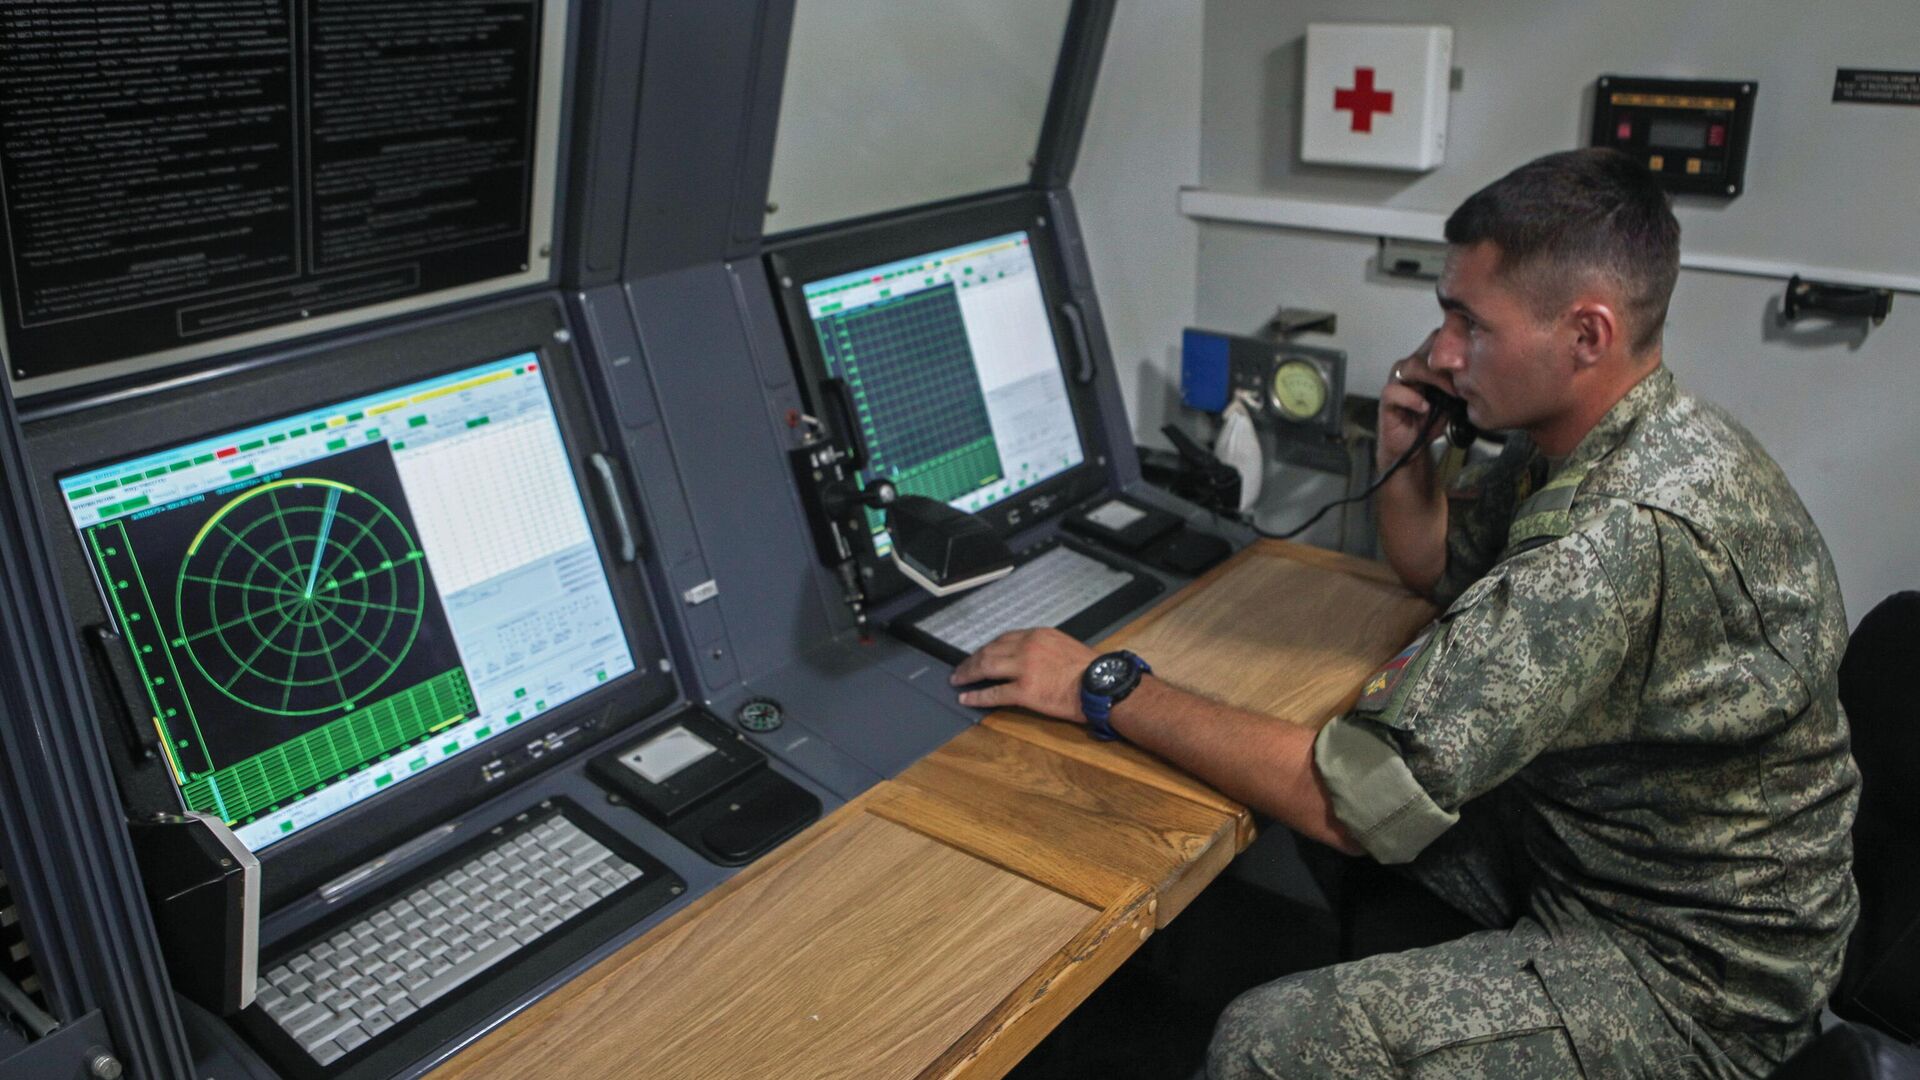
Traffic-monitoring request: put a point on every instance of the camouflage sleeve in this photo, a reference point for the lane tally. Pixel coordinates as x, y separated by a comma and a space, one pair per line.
1531, 645
1480, 505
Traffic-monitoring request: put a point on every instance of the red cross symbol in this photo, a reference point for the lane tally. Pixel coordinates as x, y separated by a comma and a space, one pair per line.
1363, 99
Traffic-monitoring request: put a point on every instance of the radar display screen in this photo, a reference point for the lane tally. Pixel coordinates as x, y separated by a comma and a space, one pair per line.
322, 606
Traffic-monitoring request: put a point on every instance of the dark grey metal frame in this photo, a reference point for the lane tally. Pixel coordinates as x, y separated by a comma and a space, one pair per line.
1074, 80
67, 855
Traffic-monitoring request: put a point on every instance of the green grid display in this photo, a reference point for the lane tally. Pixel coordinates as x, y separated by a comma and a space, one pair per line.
958, 472
246, 788
917, 391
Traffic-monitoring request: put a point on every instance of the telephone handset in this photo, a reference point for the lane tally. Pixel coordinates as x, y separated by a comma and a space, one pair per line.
1460, 430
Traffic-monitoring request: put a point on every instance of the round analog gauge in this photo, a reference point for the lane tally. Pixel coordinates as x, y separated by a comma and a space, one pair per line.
1299, 389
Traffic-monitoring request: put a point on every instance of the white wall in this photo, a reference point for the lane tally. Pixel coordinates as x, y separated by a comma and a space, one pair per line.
1141, 146
1834, 184
1823, 179
892, 103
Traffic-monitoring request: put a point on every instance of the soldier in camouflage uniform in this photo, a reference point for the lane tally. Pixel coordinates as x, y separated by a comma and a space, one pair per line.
1620, 747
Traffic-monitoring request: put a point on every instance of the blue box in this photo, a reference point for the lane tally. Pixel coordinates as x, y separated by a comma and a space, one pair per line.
1204, 370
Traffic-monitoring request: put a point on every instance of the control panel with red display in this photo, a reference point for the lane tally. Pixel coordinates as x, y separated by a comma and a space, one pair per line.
1692, 133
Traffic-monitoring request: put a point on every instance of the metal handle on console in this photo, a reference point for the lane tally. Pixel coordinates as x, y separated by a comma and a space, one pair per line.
610, 488
111, 651
1076, 322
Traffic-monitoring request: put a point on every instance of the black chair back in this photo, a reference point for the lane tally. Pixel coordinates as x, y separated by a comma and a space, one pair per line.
1880, 689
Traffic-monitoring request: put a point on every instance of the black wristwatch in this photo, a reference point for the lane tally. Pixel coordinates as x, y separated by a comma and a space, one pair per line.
1106, 683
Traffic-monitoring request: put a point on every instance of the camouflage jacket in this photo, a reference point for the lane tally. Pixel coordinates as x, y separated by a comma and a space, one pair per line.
1634, 685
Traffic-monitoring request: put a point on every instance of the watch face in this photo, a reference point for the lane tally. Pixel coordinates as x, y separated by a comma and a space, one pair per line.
1107, 673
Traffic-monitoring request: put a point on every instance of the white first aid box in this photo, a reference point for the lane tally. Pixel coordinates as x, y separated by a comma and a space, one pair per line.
1375, 94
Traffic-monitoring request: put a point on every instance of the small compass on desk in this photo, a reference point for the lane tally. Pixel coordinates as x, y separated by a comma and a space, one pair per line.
760, 715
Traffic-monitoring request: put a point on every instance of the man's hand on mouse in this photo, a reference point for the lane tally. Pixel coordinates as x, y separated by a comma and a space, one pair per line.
1040, 670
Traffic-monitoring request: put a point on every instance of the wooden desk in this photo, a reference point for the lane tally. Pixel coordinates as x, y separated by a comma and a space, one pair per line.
943, 922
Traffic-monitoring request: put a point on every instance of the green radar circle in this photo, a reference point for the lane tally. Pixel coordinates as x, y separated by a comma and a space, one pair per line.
300, 597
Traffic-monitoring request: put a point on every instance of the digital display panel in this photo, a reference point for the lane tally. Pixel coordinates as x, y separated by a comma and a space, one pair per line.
1678, 134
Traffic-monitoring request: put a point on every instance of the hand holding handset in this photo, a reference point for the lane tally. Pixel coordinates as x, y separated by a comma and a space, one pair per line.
1442, 409
1460, 430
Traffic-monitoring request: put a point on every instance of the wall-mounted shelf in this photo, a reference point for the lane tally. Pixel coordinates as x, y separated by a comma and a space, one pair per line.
1352, 219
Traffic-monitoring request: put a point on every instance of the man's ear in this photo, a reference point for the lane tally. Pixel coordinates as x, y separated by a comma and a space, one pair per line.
1596, 331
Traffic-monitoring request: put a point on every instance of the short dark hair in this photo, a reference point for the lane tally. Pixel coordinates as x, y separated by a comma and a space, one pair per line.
1568, 216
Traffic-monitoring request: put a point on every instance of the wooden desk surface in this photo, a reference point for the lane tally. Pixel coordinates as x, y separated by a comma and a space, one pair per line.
943, 922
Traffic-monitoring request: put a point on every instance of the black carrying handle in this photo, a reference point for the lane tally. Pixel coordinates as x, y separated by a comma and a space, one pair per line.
110, 650
1824, 298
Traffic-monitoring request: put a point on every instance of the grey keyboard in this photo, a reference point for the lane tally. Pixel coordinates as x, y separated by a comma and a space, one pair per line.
341, 992
1045, 591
